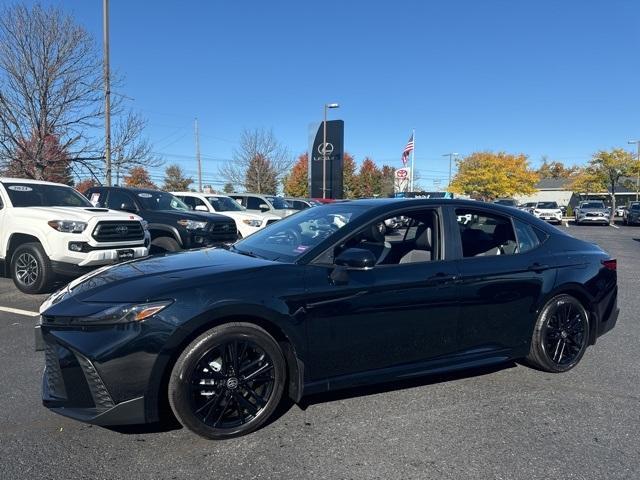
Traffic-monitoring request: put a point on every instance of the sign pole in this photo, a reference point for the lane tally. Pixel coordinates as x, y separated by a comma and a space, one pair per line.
413, 154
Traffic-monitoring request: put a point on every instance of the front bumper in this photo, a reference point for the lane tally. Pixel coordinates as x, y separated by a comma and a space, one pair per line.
603, 220
100, 375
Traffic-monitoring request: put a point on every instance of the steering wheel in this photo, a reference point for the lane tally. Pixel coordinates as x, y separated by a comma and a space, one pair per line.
292, 236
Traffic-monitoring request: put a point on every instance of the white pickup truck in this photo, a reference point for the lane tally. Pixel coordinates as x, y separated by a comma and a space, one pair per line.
48, 230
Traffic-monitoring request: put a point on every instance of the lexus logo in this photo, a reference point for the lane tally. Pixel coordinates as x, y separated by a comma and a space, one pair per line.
325, 149
122, 229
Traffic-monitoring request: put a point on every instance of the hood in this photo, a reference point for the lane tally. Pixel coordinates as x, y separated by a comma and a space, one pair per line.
84, 214
154, 277
245, 215
193, 215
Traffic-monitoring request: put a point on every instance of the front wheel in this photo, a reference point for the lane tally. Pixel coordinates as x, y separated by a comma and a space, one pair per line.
228, 381
31, 269
561, 335
163, 245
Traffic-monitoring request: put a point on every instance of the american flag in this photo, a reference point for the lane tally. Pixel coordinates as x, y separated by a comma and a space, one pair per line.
407, 150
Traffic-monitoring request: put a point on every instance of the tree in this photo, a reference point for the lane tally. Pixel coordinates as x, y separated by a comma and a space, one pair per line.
555, 169
56, 167
129, 147
260, 176
228, 188
259, 162
369, 179
387, 180
174, 179
139, 178
50, 86
488, 175
349, 177
610, 166
587, 181
296, 184
85, 185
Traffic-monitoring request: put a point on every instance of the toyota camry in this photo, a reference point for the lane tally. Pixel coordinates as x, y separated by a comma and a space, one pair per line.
332, 297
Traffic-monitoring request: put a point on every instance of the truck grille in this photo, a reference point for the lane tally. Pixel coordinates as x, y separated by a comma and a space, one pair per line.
118, 231
223, 231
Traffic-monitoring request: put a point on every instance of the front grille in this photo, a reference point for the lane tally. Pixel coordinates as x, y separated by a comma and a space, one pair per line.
221, 231
99, 392
118, 231
53, 374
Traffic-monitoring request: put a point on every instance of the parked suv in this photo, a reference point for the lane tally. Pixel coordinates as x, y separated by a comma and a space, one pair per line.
48, 230
172, 225
549, 211
255, 202
631, 214
592, 211
246, 222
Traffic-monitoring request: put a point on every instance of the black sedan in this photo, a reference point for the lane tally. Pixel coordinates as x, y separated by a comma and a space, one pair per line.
325, 299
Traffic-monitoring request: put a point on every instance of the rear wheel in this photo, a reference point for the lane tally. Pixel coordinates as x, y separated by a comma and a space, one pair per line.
228, 381
561, 335
31, 269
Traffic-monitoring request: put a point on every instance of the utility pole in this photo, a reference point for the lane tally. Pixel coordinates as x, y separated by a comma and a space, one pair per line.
637, 143
107, 92
450, 155
198, 157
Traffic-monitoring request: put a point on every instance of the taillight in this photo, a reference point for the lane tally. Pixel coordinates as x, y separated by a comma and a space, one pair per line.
610, 264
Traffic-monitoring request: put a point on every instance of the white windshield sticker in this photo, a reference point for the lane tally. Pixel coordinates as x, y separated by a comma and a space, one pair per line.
20, 188
95, 199
145, 195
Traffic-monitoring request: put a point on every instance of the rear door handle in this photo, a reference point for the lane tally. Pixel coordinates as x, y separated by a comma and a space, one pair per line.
538, 267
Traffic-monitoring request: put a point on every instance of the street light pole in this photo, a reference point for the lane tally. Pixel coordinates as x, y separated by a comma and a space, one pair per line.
450, 155
324, 147
107, 92
637, 143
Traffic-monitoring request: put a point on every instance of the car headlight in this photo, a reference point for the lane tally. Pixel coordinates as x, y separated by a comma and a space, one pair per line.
68, 226
192, 224
145, 224
252, 223
125, 313
536, 211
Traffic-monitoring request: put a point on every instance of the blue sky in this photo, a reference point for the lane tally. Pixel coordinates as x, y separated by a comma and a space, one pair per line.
543, 77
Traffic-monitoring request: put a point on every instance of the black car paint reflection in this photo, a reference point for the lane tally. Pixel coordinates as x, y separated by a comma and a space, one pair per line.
389, 322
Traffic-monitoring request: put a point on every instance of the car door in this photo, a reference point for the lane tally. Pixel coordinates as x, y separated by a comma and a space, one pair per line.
391, 317
503, 270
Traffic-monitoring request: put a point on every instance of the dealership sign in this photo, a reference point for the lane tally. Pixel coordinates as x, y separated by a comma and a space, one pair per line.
402, 178
329, 153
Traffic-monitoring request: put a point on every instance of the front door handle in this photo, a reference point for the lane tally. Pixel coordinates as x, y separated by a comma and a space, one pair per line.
538, 267
441, 278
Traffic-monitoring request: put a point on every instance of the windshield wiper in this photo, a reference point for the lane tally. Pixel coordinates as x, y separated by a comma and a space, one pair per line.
233, 248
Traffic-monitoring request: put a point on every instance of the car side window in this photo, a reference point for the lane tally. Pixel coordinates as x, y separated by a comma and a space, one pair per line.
117, 199
190, 201
254, 203
485, 234
397, 240
527, 237
241, 200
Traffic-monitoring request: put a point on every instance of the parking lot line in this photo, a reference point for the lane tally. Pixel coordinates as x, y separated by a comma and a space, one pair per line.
614, 226
18, 311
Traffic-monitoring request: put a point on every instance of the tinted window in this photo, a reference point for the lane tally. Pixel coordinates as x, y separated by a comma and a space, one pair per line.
485, 234
547, 205
160, 201
635, 206
192, 202
592, 205
118, 199
527, 238
43, 195
254, 203
278, 203
224, 204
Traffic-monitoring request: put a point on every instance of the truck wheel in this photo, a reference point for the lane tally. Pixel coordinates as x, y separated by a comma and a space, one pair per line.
163, 245
31, 269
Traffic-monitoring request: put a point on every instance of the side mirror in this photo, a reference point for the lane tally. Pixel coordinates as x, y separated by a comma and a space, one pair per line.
201, 208
263, 207
356, 259
128, 207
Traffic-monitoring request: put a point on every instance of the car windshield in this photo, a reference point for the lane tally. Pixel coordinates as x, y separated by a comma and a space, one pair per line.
592, 205
43, 195
225, 204
547, 205
160, 201
278, 203
634, 206
290, 237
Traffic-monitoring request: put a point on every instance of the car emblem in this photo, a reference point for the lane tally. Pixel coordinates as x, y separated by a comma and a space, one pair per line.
325, 148
122, 229
232, 383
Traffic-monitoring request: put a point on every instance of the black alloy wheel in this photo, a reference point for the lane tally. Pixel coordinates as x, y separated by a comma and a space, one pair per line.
228, 381
561, 335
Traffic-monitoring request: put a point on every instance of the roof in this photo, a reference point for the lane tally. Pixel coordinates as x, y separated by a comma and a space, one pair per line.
552, 184
28, 180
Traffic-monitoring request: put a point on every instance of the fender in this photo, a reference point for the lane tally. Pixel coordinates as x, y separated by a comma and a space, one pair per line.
26, 229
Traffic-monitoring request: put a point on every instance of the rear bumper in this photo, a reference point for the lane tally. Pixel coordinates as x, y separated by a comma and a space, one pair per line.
610, 316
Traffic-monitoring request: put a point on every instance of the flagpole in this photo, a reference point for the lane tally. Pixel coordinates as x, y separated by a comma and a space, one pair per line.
413, 155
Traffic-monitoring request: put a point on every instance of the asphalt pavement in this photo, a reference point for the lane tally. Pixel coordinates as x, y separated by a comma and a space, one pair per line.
505, 423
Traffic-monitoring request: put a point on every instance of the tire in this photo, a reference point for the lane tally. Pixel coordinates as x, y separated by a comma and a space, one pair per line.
209, 393
31, 269
163, 245
562, 326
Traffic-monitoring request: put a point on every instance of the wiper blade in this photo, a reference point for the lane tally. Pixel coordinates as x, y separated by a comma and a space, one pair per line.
233, 248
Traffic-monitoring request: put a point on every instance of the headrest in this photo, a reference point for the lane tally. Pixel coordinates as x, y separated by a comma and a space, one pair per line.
503, 232
423, 238
373, 234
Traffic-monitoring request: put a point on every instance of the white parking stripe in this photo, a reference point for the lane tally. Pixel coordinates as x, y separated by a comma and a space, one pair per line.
614, 226
17, 311
566, 224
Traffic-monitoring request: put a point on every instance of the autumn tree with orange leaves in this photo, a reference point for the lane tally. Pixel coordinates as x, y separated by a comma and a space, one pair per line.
296, 183
139, 178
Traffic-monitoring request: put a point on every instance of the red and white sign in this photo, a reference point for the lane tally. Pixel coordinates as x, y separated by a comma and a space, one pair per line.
401, 183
